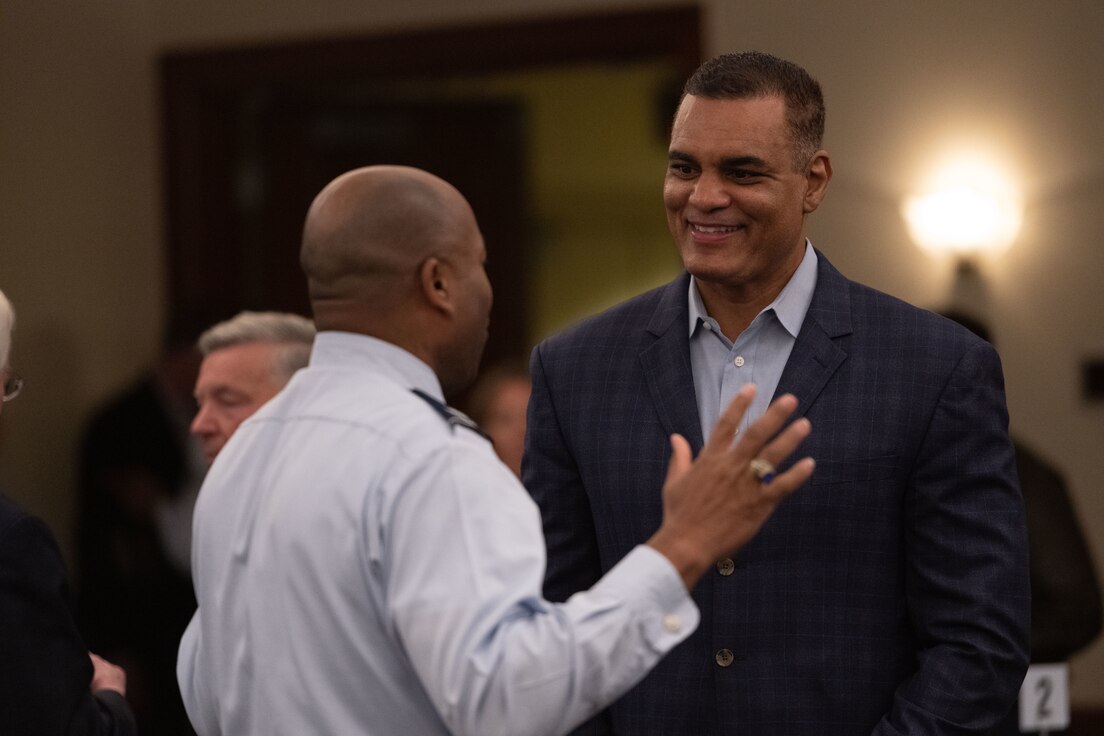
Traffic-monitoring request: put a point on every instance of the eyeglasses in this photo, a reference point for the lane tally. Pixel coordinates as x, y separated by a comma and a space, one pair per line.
13, 384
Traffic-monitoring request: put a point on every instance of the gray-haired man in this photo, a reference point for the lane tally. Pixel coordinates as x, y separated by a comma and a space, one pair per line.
246, 361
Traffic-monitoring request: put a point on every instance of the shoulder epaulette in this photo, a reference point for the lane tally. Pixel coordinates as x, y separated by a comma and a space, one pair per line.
452, 416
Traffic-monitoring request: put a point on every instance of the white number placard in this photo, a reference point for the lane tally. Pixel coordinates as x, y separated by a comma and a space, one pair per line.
1044, 698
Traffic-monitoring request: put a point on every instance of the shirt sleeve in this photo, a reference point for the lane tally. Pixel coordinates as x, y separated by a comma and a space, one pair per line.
465, 567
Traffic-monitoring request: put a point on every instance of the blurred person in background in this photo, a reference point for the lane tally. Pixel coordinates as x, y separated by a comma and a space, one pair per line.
246, 361
138, 471
498, 402
1065, 590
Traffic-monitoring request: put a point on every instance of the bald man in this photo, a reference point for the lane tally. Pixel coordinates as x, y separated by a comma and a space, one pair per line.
364, 564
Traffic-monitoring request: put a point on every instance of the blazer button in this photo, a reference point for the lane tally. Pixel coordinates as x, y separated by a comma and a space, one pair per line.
726, 566
724, 657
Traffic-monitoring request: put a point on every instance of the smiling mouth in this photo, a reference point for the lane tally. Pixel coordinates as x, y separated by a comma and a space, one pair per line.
715, 229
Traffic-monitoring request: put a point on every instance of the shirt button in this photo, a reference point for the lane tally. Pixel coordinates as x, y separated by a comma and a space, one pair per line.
724, 657
725, 566
739, 361
672, 622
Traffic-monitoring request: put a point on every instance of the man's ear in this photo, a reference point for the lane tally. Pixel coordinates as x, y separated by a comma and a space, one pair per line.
816, 177
434, 283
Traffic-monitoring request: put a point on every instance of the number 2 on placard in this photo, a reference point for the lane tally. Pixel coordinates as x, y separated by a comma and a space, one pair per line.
1044, 687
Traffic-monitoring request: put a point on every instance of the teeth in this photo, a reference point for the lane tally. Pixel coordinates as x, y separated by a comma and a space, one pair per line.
708, 229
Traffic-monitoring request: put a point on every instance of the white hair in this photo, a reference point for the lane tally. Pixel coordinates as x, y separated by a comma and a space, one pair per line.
293, 332
7, 324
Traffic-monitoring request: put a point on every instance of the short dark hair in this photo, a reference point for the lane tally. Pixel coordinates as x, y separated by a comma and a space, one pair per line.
750, 74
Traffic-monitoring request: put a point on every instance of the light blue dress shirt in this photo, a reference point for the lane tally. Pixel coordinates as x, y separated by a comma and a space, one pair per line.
758, 355
363, 566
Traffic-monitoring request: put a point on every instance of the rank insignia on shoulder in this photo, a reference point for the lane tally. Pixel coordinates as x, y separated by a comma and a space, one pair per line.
452, 416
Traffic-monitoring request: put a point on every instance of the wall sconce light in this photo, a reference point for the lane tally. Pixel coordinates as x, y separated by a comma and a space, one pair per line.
969, 207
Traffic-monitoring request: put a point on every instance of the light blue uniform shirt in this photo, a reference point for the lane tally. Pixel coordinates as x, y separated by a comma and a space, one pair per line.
363, 566
758, 354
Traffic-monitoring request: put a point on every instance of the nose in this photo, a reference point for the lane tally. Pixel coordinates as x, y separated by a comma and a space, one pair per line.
709, 193
202, 424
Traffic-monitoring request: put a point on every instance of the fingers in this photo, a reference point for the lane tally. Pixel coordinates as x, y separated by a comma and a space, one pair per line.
106, 676
786, 483
725, 429
782, 446
762, 429
681, 459
768, 438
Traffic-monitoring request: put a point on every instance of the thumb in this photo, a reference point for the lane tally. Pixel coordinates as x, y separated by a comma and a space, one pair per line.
680, 459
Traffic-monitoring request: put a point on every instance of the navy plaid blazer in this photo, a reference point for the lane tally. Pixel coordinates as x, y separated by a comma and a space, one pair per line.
889, 595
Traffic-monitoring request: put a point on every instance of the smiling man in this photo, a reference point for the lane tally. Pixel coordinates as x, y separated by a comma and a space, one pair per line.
891, 595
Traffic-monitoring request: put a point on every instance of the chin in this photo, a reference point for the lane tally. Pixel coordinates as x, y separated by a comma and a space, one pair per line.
712, 272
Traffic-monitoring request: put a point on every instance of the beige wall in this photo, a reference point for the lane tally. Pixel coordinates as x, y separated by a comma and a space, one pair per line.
81, 213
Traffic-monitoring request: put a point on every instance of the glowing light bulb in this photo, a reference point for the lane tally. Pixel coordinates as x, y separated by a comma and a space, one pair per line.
969, 207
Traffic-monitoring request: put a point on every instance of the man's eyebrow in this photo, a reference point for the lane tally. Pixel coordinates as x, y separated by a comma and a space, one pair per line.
736, 162
732, 162
676, 155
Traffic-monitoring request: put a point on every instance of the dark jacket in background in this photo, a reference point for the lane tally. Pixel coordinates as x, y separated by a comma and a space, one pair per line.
1065, 592
45, 671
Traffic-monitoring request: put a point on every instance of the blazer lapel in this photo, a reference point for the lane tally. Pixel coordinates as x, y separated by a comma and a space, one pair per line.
665, 361
816, 355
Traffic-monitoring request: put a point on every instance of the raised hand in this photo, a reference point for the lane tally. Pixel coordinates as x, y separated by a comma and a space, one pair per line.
714, 505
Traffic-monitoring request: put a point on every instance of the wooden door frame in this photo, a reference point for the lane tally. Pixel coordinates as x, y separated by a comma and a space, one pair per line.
200, 86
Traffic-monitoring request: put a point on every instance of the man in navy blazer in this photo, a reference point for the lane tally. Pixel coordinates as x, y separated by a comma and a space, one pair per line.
889, 595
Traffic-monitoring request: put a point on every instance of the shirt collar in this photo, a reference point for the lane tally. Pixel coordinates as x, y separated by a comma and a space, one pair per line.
333, 349
789, 306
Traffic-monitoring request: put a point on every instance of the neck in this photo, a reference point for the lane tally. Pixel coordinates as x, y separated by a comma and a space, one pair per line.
736, 304
734, 308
